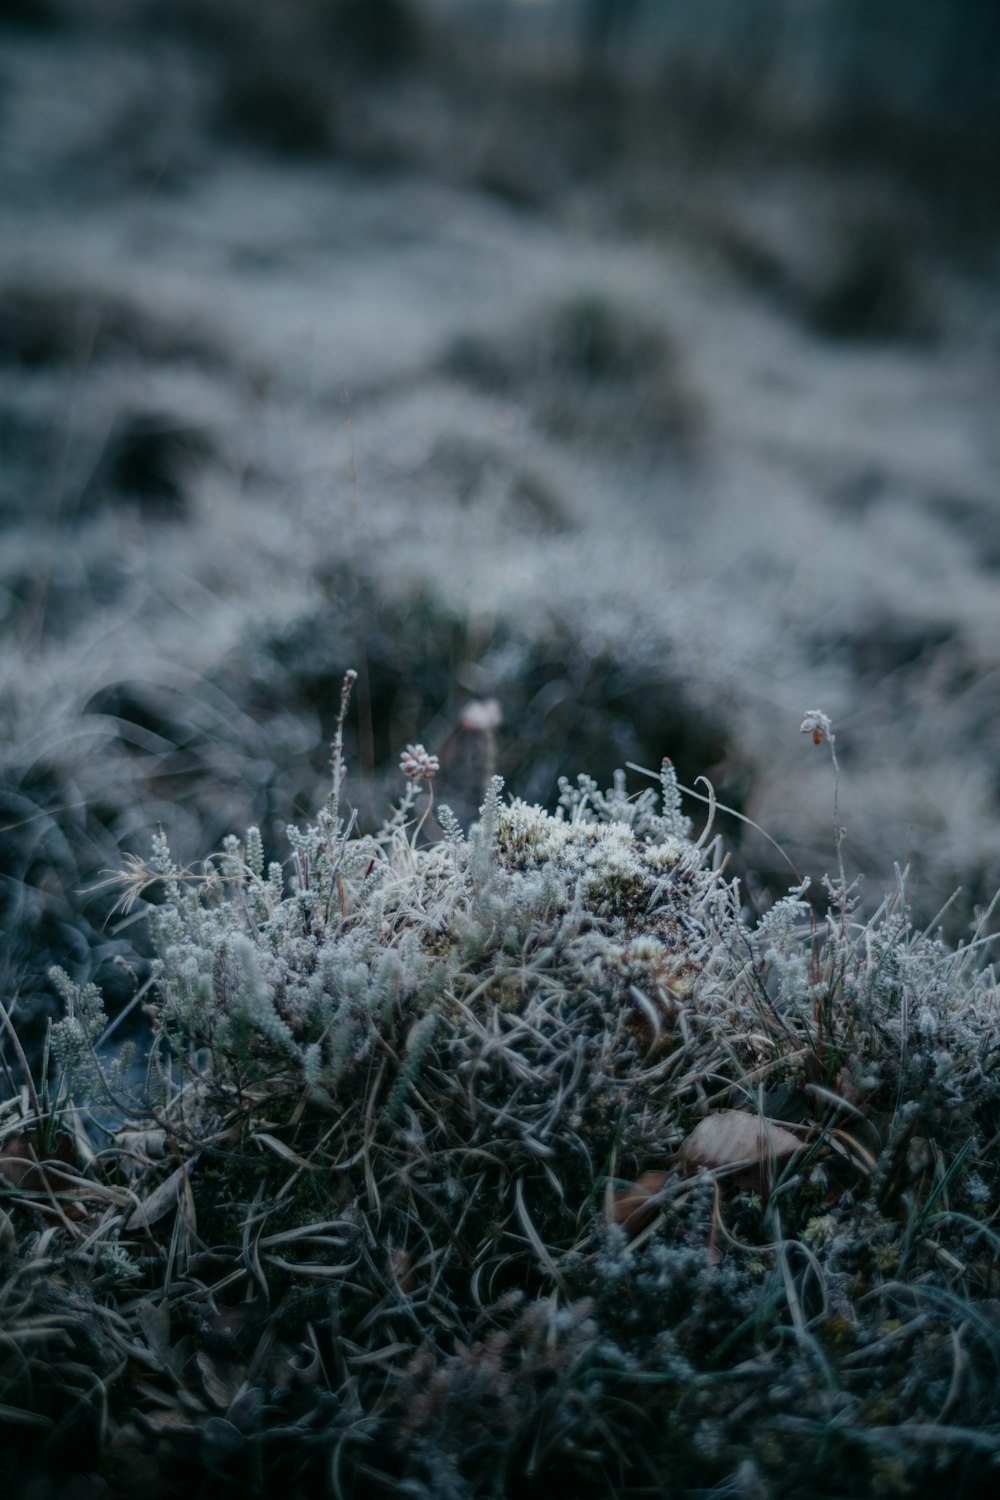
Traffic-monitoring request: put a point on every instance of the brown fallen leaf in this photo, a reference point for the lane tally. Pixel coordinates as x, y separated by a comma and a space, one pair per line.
168, 1423
749, 1149
18, 1159
49, 1176
138, 1147
23, 1158
161, 1201
221, 1380
632, 1207
402, 1269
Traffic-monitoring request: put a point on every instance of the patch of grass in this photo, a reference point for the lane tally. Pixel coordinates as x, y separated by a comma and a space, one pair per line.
590, 367
514, 1160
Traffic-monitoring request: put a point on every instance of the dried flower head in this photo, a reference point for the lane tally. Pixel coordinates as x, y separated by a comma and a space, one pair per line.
817, 724
417, 764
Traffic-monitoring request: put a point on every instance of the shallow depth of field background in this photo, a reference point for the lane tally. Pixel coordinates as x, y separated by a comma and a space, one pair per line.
634, 365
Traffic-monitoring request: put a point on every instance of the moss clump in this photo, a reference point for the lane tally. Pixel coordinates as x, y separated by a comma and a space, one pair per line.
410, 1201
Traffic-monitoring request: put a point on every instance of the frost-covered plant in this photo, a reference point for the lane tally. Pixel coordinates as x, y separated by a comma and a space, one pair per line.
429, 1121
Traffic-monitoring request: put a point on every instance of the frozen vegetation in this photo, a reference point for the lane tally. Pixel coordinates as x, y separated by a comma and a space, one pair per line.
594, 424
511, 1162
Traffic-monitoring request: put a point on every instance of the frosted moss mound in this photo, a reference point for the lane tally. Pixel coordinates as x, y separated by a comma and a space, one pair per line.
514, 1162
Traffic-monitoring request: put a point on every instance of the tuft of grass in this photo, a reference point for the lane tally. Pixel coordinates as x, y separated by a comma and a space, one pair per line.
414, 1192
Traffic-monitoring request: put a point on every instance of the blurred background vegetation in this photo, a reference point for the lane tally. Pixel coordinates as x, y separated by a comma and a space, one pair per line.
632, 365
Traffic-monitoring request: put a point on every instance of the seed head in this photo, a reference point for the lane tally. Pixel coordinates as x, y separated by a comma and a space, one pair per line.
817, 724
417, 764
